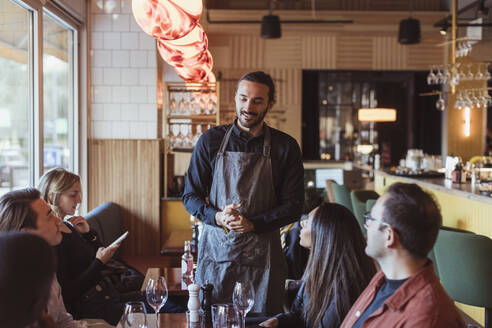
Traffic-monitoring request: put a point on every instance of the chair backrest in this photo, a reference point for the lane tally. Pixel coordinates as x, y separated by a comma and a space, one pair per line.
370, 204
107, 221
342, 195
329, 191
359, 199
464, 266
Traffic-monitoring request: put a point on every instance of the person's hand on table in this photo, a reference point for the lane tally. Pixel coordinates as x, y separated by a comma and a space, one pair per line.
80, 224
272, 322
104, 254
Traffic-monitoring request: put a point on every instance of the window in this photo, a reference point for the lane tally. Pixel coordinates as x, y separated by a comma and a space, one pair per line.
36, 133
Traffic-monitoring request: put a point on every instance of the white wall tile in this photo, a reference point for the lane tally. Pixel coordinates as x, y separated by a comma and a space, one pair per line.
97, 40
120, 95
112, 112
134, 27
147, 76
151, 130
101, 129
101, 94
147, 112
126, 7
152, 58
152, 94
138, 58
138, 130
129, 112
139, 95
101, 58
129, 40
97, 112
101, 23
97, 76
112, 40
112, 76
146, 42
121, 130
121, 23
121, 58
129, 76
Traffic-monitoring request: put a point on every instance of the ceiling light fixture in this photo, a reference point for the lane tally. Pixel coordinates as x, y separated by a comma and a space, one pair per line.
409, 32
270, 25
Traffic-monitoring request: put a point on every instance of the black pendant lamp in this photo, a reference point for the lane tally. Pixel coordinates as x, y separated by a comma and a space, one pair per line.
409, 32
270, 25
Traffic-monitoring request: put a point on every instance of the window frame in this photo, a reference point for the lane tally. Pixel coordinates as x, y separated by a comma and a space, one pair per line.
36, 96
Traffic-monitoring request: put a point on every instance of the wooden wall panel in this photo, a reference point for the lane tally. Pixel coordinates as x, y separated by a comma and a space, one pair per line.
127, 172
388, 54
284, 52
319, 52
422, 55
354, 52
247, 51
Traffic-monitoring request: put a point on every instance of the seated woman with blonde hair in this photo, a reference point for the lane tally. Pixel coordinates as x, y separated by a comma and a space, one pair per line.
338, 270
86, 271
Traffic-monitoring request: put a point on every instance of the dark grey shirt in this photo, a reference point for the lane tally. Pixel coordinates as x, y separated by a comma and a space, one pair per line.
287, 172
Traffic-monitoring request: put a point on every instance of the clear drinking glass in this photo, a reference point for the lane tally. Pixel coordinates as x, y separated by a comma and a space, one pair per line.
243, 298
156, 293
431, 77
134, 315
440, 105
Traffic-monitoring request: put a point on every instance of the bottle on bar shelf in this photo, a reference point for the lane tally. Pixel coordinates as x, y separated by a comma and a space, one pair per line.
187, 263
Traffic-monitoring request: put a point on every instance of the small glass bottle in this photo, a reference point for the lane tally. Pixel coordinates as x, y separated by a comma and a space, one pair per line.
187, 263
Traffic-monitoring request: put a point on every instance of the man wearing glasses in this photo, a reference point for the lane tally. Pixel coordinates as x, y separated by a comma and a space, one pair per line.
401, 230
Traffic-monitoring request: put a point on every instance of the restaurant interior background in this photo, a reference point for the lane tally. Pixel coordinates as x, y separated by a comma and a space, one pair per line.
83, 87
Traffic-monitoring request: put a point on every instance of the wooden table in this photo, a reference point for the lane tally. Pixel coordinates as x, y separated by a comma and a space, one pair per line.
174, 245
166, 320
173, 280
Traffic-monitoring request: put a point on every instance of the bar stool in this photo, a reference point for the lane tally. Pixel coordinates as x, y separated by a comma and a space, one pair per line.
465, 269
342, 195
359, 199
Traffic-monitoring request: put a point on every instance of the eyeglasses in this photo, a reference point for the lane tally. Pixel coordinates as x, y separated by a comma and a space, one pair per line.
368, 217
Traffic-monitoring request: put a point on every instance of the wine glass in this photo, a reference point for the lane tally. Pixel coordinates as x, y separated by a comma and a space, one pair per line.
440, 105
156, 293
134, 316
243, 297
431, 77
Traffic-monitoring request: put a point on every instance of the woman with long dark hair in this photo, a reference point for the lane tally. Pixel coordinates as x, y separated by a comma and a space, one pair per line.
338, 270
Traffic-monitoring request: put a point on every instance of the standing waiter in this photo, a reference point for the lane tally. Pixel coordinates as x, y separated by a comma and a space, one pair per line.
245, 181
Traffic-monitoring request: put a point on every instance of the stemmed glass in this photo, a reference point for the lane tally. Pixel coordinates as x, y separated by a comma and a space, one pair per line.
487, 75
440, 103
470, 76
479, 75
243, 298
431, 77
440, 76
156, 294
134, 316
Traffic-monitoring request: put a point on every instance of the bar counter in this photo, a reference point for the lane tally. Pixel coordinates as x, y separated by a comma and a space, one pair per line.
462, 206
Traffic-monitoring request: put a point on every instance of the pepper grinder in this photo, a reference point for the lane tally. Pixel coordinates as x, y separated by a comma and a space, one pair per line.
194, 304
207, 303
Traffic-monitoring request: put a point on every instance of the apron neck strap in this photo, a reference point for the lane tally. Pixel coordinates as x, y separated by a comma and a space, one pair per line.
267, 141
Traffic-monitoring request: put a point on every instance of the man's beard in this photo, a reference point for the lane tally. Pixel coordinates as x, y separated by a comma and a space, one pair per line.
252, 123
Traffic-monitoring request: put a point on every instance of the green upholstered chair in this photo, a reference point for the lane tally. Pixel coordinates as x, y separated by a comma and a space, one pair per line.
370, 204
342, 195
465, 268
359, 199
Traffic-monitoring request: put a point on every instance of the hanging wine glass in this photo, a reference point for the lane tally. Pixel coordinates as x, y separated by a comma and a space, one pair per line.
458, 104
440, 75
475, 101
183, 134
479, 75
487, 75
461, 73
466, 99
455, 79
470, 76
431, 77
440, 105
197, 135
176, 136
447, 73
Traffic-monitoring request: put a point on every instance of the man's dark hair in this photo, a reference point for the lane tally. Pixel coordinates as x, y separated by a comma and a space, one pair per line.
15, 210
263, 78
28, 267
415, 216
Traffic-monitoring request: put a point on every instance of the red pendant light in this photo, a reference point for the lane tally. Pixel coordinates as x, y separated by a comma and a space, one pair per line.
166, 20
192, 46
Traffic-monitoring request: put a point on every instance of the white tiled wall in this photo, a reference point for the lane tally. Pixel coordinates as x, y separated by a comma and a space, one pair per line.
123, 64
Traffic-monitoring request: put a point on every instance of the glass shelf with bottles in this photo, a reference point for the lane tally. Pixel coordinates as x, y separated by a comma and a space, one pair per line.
191, 109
